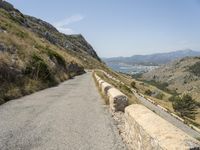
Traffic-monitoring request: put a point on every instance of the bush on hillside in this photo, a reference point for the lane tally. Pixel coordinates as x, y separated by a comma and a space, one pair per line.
148, 92
22, 34
195, 69
54, 55
125, 89
185, 106
159, 95
133, 84
39, 70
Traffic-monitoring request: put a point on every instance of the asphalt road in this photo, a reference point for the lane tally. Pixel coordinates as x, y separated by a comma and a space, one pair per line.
168, 117
68, 117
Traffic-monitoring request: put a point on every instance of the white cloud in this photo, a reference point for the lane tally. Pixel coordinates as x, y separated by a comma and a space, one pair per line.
62, 25
65, 30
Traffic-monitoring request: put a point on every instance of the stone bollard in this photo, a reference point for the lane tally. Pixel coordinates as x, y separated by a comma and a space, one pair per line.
100, 82
118, 101
105, 87
97, 77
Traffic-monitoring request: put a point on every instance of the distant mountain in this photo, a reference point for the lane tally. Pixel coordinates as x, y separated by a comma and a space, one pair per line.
152, 59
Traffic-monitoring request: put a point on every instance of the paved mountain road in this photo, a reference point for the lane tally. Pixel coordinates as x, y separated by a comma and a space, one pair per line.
68, 117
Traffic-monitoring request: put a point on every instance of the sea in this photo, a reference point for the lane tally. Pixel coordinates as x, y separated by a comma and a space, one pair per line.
131, 69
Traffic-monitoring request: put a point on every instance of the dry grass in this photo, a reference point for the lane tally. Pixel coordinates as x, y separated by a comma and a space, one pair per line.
30, 63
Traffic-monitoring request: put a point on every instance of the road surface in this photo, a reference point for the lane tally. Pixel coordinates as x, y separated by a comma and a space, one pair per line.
68, 117
168, 117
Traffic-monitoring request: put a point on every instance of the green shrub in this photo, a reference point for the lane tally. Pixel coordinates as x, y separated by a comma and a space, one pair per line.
54, 55
185, 105
162, 86
159, 95
172, 98
195, 69
148, 92
125, 88
3, 27
38, 69
133, 84
38, 46
137, 75
22, 34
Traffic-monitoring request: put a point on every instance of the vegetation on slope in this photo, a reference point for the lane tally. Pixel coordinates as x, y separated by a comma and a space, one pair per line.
34, 55
195, 69
177, 79
184, 105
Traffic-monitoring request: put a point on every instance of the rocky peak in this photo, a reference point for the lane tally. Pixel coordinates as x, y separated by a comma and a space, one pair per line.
7, 6
46, 30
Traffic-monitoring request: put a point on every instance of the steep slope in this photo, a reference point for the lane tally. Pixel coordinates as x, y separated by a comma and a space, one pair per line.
153, 59
71, 42
182, 76
34, 55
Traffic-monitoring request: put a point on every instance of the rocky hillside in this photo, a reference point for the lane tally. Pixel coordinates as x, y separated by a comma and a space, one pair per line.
182, 76
34, 55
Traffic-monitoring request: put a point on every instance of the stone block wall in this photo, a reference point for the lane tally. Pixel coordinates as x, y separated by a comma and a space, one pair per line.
147, 131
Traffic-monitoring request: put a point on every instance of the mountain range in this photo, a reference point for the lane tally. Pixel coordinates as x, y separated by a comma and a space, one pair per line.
152, 59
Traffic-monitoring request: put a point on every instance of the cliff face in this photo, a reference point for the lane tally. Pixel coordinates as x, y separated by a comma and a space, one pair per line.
34, 55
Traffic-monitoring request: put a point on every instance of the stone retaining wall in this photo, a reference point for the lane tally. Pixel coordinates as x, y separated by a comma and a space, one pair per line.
146, 131
117, 100
143, 129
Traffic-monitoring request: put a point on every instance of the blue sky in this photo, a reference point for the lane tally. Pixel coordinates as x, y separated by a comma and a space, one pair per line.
123, 27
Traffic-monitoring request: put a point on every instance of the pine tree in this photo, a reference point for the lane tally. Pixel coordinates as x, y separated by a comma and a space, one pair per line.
185, 105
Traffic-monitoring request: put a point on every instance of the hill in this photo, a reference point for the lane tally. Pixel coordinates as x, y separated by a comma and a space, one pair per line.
34, 55
180, 76
153, 59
